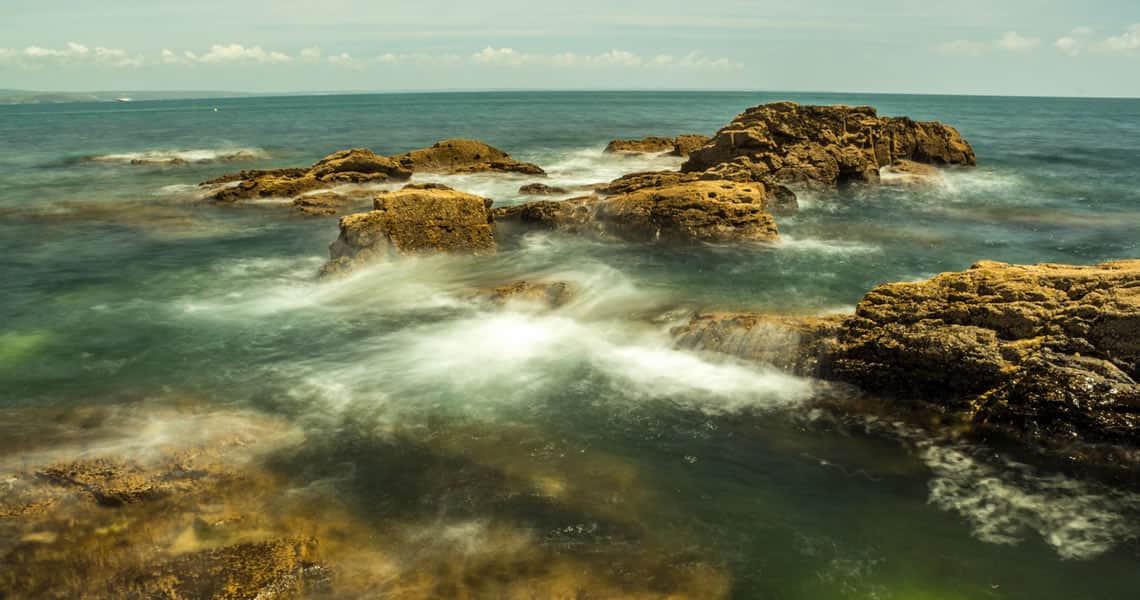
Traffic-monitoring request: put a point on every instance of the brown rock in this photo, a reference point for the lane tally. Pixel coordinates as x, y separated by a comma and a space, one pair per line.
108, 482
824, 146
910, 172
463, 156
269, 569
357, 165
678, 212
1045, 354
798, 344
684, 145
551, 294
681, 145
327, 203
541, 189
415, 220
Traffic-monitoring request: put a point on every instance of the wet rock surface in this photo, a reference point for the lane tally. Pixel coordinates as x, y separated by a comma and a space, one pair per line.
826, 146
357, 165
457, 156
667, 209
1044, 355
541, 189
681, 145
548, 294
414, 220
245, 520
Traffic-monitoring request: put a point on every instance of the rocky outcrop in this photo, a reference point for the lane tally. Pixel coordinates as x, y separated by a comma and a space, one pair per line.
798, 344
541, 189
319, 204
681, 145
463, 156
781, 199
1044, 352
360, 165
1046, 355
688, 211
415, 220
826, 146
357, 165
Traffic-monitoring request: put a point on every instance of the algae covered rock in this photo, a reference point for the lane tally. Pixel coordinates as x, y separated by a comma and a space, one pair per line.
825, 146
463, 156
681, 145
417, 219
357, 165
686, 211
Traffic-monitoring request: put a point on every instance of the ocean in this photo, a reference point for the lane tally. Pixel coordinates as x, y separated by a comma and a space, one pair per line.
577, 443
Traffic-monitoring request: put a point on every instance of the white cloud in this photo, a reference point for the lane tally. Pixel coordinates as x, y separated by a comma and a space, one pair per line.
620, 59
1010, 41
1080, 40
239, 53
72, 53
310, 54
1069, 45
1015, 42
1125, 43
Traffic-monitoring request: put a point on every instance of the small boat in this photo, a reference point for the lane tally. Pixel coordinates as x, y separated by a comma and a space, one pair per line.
124, 99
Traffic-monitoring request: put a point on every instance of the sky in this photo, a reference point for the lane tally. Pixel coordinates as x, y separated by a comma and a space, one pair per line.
994, 47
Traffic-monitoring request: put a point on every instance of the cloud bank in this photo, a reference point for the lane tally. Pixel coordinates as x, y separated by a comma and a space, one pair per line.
238, 54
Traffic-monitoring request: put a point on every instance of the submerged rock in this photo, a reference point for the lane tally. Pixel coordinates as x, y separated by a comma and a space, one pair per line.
825, 146
798, 344
550, 294
688, 211
910, 173
681, 145
329, 203
108, 482
1046, 355
463, 156
414, 220
541, 189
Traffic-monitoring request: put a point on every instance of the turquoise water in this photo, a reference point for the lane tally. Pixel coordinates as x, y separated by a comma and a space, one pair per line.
120, 285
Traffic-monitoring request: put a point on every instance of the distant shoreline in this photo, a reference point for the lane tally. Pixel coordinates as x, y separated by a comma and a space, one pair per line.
12, 97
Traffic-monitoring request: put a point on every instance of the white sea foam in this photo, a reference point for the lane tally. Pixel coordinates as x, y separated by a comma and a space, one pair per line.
829, 247
572, 170
1004, 504
177, 156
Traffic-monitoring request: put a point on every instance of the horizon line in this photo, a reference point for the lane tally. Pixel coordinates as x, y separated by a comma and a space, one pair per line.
232, 94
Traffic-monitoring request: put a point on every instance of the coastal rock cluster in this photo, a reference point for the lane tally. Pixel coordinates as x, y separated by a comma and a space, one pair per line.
312, 187
826, 146
1045, 355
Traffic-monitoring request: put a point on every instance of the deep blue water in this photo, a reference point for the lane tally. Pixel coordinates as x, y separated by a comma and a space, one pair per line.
118, 283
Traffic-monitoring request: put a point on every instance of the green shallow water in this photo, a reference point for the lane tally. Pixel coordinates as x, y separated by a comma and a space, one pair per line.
580, 426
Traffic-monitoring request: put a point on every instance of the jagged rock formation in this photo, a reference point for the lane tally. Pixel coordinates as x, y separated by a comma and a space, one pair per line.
414, 220
463, 156
358, 165
825, 146
681, 145
1048, 355
684, 211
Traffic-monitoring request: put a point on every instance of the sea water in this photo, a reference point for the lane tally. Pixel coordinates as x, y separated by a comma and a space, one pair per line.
578, 431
